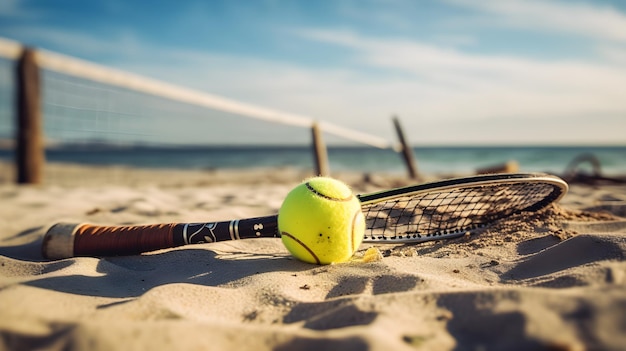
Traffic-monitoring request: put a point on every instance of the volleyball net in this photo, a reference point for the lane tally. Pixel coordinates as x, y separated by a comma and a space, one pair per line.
83, 103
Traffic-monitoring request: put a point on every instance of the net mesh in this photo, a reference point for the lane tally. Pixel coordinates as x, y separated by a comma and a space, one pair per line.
452, 212
96, 130
82, 111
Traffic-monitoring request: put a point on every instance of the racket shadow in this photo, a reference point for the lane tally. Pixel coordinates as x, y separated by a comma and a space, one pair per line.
132, 276
30, 251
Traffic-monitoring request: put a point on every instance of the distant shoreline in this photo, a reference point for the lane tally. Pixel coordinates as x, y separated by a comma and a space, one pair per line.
430, 160
9, 144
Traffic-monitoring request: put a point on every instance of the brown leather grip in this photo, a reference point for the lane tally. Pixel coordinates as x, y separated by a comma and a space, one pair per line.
92, 240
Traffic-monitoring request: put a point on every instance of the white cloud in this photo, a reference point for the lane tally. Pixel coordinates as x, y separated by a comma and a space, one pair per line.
587, 19
10, 8
466, 77
15, 9
614, 54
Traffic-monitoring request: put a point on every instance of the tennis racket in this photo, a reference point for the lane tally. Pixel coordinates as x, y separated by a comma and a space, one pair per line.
430, 211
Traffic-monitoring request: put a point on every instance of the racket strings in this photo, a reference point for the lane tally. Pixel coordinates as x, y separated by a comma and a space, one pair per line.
450, 213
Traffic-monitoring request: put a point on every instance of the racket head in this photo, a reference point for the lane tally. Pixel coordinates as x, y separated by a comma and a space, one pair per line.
453, 207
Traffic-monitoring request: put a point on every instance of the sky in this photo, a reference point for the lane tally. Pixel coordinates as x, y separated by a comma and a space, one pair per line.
454, 71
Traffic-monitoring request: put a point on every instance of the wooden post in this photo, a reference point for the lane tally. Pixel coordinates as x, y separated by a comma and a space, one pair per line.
319, 152
30, 154
407, 152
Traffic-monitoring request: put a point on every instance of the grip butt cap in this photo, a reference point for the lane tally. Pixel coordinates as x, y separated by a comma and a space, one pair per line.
58, 242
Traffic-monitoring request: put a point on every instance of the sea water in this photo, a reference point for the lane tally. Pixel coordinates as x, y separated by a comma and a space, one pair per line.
429, 159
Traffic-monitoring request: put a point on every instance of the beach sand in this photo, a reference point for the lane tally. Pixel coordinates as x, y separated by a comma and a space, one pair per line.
554, 280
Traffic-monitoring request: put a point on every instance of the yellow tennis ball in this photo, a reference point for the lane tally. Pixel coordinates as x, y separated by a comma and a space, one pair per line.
320, 221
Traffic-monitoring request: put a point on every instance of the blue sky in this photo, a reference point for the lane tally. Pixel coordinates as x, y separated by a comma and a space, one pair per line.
455, 71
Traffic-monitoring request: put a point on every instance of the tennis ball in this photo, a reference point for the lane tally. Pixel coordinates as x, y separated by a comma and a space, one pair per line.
320, 221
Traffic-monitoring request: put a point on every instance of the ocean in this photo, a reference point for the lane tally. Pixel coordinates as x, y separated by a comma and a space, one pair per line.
429, 160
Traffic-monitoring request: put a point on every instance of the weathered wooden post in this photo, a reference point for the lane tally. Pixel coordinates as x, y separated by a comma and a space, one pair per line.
406, 150
319, 151
30, 154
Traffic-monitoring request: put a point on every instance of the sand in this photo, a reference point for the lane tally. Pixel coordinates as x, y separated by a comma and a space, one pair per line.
553, 280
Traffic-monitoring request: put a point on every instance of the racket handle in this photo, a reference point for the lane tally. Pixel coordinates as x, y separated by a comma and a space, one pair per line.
64, 240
